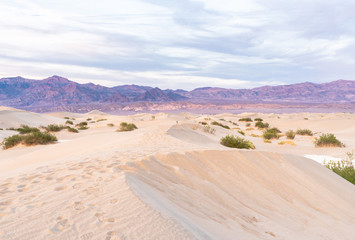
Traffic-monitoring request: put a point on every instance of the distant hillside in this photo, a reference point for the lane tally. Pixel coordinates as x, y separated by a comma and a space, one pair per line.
58, 92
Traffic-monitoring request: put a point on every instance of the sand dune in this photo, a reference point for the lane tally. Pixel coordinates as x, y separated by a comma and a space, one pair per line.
169, 179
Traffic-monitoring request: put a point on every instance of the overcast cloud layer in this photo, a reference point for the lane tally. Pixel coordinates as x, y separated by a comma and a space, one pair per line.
179, 43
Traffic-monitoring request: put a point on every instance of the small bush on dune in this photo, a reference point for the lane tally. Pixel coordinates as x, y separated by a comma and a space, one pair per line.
343, 168
271, 133
260, 125
241, 132
290, 134
26, 129
304, 132
66, 118
209, 129
69, 122
220, 124
110, 124
258, 119
73, 130
11, 141
203, 123
39, 138
54, 128
236, 142
328, 140
83, 128
102, 119
245, 120
124, 127
88, 119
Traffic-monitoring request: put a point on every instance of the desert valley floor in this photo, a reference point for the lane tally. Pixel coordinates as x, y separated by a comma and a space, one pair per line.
170, 179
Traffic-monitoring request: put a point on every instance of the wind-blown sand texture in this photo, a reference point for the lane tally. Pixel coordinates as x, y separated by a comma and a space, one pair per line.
169, 179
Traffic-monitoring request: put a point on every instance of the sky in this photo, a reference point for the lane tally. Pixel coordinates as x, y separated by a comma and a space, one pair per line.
179, 44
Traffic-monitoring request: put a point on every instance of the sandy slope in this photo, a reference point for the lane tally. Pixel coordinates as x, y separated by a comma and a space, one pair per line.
171, 180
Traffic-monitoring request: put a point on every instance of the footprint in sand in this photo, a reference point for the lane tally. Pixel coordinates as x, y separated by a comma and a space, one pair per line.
86, 236
62, 224
78, 206
100, 216
113, 235
77, 185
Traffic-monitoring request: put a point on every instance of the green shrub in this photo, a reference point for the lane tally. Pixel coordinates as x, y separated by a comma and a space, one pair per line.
11, 141
261, 125
236, 142
88, 119
83, 128
1, 129
36, 138
102, 119
73, 130
247, 125
220, 124
110, 124
54, 128
82, 124
304, 132
328, 140
258, 119
245, 119
241, 132
124, 127
69, 122
222, 119
26, 129
203, 123
290, 134
66, 118
271, 133
343, 168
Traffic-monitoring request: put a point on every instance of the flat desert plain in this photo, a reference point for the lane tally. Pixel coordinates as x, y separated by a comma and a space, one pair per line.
172, 179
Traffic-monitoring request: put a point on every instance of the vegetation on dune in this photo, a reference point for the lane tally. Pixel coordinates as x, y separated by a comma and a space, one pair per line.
110, 124
271, 133
83, 127
258, 119
54, 128
102, 119
88, 119
245, 119
220, 124
304, 132
241, 132
24, 129
261, 125
287, 142
203, 123
69, 122
290, 134
344, 168
124, 127
236, 142
73, 130
33, 138
328, 140
66, 118
209, 129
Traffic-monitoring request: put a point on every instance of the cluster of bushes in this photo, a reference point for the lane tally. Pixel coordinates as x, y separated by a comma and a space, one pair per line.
245, 120
32, 138
203, 123
290, 134
271, 133
209, 129
220, 124
304, 132
124, 127
54, 128
236, 142
328, 140
261, 125
69, 122
82, 126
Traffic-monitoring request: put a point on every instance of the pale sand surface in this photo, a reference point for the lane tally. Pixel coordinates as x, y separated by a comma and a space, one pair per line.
171, 180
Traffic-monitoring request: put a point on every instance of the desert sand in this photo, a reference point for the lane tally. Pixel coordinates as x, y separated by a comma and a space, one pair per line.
169, 179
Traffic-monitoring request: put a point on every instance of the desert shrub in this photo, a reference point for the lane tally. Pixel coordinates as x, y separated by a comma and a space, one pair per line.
290, 134
73, 130
11, 141
66, 118
271, 133
260, 125
81, 124
288, 142
36, 138
328, 140
1, 129
267, 141
248, 125
304, 132
110, 124
222, 119
343, 168
305, 118
102, 119
83, 128
258, 119
209, 129
236, 142
69, 122
54, 128
241, 132
88, 119
220, 124
207, 119
254, 135
245, 119
124, 127
203, 123
26, 129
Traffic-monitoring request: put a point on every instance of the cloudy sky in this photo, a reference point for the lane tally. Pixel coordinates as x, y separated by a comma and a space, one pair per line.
179, 43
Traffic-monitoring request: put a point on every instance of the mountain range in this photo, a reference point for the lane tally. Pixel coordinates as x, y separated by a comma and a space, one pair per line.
56, 91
